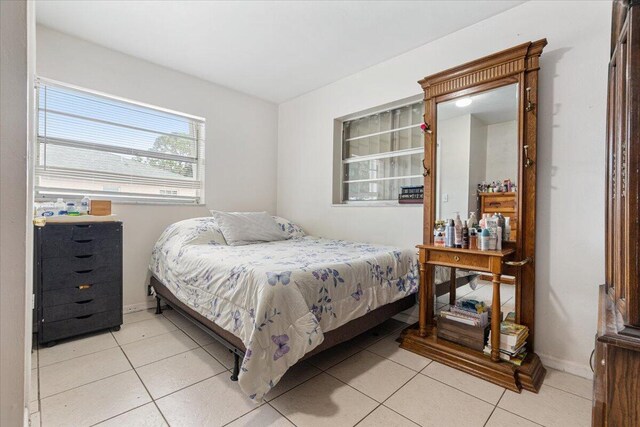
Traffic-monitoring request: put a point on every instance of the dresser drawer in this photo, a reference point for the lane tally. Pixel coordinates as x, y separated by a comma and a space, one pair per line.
76, 232
500, 204
456, 259
72, 279
56, 266
81, 308
69, 248
51, 331
81, 293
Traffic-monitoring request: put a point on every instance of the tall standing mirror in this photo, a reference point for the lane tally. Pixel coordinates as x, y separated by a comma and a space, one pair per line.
480, 136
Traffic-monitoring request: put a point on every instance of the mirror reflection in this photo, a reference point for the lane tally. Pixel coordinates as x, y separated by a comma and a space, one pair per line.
477, 161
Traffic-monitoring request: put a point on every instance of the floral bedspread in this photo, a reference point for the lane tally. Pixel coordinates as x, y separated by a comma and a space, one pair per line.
278, 297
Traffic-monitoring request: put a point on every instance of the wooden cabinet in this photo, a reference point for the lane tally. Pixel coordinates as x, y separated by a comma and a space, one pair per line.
503, 203
78, 279
616, 393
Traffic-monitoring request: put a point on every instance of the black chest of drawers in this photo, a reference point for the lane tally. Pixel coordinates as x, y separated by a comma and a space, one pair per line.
77, 279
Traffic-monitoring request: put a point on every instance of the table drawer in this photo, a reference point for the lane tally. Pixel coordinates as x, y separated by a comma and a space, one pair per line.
81, 308
79, 325
56, 266
461, 260
71, 232
499, 204
72, 279
70, 248
81, 293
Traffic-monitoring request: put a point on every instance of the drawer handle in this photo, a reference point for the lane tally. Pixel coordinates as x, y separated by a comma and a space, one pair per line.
84, 287
86, 316
83, 241
456, 258
84, 271
83, 225
495, 204
85, 301
83, 256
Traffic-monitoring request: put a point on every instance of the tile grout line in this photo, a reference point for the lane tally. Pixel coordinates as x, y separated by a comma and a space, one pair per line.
494, 409
500, 400
283, 415
569, 392
463, 391
520, 416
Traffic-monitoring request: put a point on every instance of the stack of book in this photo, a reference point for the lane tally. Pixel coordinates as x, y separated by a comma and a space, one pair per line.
467, 324
513, 342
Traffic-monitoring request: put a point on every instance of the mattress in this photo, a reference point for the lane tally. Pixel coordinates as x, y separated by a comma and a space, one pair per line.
279, 298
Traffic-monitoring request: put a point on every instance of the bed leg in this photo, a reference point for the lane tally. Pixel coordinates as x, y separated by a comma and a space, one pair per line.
236, 367
158, 308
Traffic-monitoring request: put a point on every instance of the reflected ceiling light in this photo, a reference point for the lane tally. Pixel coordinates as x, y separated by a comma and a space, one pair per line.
463, 102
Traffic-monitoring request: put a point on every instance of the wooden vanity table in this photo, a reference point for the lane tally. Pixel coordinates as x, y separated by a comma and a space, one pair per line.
499, 88
467, 259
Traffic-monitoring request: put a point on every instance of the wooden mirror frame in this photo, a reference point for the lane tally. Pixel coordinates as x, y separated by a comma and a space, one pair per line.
519, 64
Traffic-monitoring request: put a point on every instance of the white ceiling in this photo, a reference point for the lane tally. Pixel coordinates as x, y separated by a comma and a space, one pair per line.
273, 50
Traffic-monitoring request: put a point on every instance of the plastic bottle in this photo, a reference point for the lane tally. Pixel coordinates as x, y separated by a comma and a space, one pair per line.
85, 206
465, 236
484, 240
449, 235
60, 207
472, 221
499, 239
507, 229
458, 231
473, 239
72, 209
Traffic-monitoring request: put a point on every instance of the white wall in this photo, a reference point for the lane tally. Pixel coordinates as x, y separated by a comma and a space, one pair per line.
240, 149
571, 131
502, 152
454, 140
477, 163
17, 29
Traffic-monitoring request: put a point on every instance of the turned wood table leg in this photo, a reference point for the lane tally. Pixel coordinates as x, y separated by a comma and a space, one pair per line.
426, 303
496, 314
452, 287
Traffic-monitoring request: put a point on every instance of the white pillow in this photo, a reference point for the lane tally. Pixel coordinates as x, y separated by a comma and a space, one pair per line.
244, 228
292, 230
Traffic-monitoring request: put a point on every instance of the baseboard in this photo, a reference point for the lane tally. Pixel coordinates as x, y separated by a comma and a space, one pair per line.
138, 307
574, 368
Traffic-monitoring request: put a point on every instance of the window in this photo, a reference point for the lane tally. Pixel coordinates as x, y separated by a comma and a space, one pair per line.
102, 146
382, 152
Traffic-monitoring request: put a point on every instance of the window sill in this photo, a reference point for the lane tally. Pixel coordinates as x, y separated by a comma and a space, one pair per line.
381, 204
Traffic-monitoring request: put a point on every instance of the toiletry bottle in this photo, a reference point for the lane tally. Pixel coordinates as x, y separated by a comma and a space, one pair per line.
60, 207
473, 238
484, 239
493, 238
450, 232
472, 221
72, 210
85, 205
507, 229
465, 236
458, 231
501, 222
499, 239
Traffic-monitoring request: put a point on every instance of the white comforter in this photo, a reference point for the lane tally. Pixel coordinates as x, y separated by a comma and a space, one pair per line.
278, 297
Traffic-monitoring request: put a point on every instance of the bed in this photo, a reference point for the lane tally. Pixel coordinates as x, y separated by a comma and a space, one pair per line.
276, 303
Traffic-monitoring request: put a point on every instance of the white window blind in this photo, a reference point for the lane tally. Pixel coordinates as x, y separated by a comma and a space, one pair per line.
382, 152
105, 147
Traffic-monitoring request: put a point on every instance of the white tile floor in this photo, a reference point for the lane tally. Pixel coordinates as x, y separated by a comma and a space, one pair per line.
160, 370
